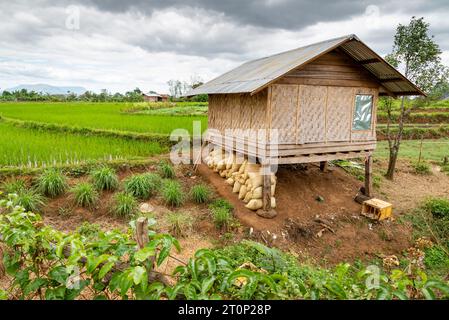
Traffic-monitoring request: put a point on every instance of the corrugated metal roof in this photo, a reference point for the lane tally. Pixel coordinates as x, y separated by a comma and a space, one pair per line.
255, 75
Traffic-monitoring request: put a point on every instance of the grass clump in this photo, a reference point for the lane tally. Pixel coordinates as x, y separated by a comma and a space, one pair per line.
52, 183
30, 200
221, 211
105, 178
166, 170
436, 259
180, 223
439, 207
200, 193
422, 168
13, 186
124, 205
143, 186
172, 193
85, 195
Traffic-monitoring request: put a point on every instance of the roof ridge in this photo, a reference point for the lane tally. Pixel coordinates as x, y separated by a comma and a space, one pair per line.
348, 37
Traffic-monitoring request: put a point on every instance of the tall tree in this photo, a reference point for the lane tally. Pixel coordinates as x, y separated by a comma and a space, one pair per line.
419, 56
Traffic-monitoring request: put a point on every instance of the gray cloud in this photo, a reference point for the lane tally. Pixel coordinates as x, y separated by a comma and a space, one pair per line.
152, 41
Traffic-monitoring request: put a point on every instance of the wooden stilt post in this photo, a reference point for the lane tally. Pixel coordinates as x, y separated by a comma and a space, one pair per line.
323, 166
368, 175
266, 211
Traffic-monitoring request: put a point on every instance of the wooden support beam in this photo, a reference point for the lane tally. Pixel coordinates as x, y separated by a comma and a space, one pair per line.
323, 166
368, 175
266, 211
368, 61
391, 80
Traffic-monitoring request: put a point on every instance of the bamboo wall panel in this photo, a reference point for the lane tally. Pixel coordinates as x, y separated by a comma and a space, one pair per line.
284, 103
312, 114
338, 114
259, 111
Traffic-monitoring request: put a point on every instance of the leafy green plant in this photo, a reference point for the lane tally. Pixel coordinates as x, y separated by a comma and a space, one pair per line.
221, 211
13, 186
52, 183
422, 168
222, 218
30, 200
45, 263
180, 223
436, 258
124, 205
221, 203
105, 178
172, 193
439, 207
143, 186
166, 170
85, 194
200, 193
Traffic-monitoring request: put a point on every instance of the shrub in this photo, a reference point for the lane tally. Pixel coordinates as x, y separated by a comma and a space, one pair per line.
105, 178
13, 186
422, 168
166, 170
30, 200
436, 258
439, 207
85, 195
143, 186
124, 205
172, 193
179, 223
200, 193
52, 183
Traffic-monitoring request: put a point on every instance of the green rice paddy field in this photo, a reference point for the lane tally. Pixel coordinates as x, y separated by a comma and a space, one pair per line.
22, 146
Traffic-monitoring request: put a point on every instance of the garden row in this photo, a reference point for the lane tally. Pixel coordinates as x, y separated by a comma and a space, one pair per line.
128, 194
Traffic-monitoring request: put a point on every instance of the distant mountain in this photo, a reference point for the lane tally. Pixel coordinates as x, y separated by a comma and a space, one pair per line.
45, 88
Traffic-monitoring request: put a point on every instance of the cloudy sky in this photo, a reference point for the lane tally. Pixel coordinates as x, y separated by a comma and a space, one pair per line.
120, 45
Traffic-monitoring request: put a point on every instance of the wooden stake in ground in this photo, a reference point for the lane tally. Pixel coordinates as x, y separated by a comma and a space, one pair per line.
323, 166
368, 175
142, 232
266, 211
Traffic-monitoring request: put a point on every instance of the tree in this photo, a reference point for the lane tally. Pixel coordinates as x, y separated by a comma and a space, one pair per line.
417, 54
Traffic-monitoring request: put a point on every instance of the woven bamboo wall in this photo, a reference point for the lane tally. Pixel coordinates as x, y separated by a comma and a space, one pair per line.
284, 106
237, 111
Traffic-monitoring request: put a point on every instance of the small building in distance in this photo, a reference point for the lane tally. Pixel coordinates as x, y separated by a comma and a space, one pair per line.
155, 97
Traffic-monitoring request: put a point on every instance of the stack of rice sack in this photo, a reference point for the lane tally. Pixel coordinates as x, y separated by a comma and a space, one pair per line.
244, 177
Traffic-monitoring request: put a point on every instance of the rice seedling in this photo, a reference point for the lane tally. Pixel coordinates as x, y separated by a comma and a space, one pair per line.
166, 170
124, 205
105, 178
85, 195
96, 115
30, 200
52, 183
200, 193
172, 193
180, 223
33, 148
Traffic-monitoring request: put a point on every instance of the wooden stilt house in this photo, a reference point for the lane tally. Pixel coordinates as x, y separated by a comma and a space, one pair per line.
321, 100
